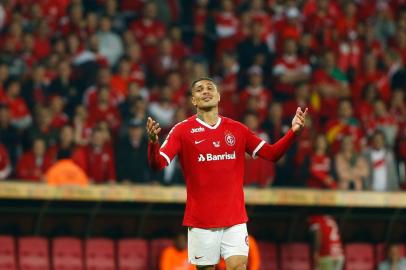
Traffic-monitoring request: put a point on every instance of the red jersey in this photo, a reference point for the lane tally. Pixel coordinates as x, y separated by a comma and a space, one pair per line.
212, 159
319, 169
330, 244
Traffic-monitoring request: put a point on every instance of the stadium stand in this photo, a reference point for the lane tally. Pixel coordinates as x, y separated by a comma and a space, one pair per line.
359, 256
8, 258
67, 254
269, 255
100, 254
295, 256
133, 254
33, 253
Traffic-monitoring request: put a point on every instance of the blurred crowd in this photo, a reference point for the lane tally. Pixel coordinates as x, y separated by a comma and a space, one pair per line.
78, 79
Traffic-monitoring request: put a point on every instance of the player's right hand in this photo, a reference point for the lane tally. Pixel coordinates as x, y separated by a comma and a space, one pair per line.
153, 129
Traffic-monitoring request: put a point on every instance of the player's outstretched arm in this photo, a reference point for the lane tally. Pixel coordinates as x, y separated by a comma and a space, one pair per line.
155, 160
275, 151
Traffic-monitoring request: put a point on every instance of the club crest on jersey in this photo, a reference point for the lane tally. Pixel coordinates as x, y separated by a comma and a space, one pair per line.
196, 130
229, 138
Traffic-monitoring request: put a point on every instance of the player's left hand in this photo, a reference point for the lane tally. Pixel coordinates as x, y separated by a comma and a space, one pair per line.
298, 121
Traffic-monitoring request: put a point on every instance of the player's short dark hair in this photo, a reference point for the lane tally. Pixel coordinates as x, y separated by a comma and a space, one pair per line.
203, 79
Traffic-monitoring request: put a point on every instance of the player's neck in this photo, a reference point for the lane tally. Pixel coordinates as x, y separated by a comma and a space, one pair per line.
210, 117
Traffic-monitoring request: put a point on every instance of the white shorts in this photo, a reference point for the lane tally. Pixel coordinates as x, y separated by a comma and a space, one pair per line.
205, 246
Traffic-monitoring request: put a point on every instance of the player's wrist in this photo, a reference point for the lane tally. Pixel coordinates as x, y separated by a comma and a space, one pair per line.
153, 138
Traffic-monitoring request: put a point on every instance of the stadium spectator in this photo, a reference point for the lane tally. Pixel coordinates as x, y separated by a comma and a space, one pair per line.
163, 110
65, 148
20, 115
35, 90
381, 163
148, 30
258, 172
227, 26
41, 129
381, 119
394, 261
121, 80
63, 85
255, 90
5, 164
66, 172
344, 125
351, 167
364, 108
289, 70
228, 79
110, 9
326, 243
164, 61
10, 137
131, 155
110, 44
133, 52
98, 159
371, 74
331, 84
175, 256
33, 164
103, 110
320, 165
253, 50
57, 108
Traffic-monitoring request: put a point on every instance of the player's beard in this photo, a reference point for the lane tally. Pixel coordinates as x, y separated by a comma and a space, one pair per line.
208, 106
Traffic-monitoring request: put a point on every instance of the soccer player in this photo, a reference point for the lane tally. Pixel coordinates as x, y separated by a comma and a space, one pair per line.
327, 248
211, 150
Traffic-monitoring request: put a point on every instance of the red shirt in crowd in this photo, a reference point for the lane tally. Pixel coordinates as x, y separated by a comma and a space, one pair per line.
98, 163
144, 29
212, 159
262, 96
320, 169
30, 167
227, 25
18, 107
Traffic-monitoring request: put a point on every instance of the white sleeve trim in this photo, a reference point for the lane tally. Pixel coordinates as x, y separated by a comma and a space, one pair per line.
166, 157
257, 148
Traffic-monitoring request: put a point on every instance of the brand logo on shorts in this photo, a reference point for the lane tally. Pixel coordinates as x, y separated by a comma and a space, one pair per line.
247, 241
212, 157
229, 138
196, 258
196, 130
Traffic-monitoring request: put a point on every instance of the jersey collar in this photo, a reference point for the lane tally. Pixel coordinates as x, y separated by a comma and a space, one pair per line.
207, 125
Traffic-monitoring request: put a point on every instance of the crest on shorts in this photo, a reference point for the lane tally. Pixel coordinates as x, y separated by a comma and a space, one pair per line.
247, 241
229, 138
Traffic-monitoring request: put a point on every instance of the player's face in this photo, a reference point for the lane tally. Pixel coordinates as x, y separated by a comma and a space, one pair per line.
205, 95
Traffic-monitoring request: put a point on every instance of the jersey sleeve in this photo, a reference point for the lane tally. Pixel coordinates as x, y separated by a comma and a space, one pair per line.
160, 156
171, 146
253, 143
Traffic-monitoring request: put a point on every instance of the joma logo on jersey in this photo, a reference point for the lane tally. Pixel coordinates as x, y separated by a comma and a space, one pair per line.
211, 157
196, 130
